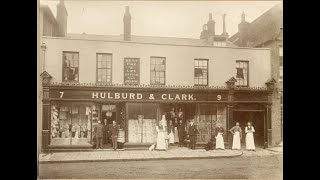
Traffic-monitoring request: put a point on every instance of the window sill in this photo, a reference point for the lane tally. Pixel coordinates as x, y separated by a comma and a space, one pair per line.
70, 81
199, 85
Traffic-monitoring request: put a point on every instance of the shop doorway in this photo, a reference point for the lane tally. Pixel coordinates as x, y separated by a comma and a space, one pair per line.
108, 115
257, 120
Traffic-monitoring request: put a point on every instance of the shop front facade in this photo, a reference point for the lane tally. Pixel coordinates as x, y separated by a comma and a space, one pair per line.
71, 111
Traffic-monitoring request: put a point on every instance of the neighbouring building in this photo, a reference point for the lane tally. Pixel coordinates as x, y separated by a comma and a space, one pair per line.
137, 79
266, 32
48, 25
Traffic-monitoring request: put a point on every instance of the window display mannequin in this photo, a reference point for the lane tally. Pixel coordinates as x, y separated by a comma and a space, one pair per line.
180, 114
73, 130
172, 113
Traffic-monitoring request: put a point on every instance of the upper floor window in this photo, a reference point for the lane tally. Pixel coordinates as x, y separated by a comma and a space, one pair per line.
158, 70
201, 72
104, 68
242, 73
70, 66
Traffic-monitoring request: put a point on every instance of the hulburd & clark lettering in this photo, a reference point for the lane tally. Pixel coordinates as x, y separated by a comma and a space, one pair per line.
139, 96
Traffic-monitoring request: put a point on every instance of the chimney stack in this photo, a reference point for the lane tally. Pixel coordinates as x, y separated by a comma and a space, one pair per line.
62, 17
243, 17
243, 30
224, 32
127, 25
211, 26
204, 33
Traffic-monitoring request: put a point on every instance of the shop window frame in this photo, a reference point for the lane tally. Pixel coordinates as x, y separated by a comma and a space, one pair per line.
70, 106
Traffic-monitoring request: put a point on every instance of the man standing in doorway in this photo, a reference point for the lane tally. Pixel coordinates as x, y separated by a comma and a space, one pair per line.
105, 131
181, 133
192, 132
114, 134
98, 129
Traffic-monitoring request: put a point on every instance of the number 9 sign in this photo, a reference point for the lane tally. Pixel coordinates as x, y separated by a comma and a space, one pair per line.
219, 97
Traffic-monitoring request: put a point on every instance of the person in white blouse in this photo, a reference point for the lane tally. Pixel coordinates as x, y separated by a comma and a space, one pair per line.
249, 130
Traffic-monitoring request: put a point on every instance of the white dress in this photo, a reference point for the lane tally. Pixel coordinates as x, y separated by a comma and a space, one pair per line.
171, 137
219, 141
176, 137
161, 142
250, 139
236, 141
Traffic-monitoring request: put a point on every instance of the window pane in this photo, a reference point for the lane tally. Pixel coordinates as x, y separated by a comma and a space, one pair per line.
200, 63
104, 64
76, 57
162, 68
205, 63
109, 72
75, 64
205, 81
109, 58
109, 64
161, 74
104, 58
108, 79
99, 57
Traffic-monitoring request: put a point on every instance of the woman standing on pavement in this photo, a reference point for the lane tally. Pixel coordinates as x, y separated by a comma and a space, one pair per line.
237, 135
249, 130
219, 137
171, 132
161, 139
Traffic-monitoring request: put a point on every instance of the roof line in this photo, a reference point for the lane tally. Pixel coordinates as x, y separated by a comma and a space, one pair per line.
66, 38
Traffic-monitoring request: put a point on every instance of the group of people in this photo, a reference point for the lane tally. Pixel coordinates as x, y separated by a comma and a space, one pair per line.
237, 136
178, 133
102, 131
169, 134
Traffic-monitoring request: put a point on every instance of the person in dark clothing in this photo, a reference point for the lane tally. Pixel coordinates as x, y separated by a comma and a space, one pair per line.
114, 134
98, 129
181, 133
105, 131
192, 132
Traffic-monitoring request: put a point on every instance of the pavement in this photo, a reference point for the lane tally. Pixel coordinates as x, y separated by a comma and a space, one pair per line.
174, 153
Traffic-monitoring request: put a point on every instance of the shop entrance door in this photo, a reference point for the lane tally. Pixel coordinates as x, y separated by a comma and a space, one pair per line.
108, 115
257, 119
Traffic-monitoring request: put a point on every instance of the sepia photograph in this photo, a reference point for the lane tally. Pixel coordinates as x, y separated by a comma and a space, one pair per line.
160, 89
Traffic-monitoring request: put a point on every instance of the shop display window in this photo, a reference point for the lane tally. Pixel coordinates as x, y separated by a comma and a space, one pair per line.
142, 123
206, 118
71, 123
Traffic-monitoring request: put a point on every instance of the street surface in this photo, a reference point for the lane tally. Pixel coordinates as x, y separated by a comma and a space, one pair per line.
243, 167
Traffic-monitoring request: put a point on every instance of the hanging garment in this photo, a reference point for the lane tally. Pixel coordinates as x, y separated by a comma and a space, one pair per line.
240, 73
